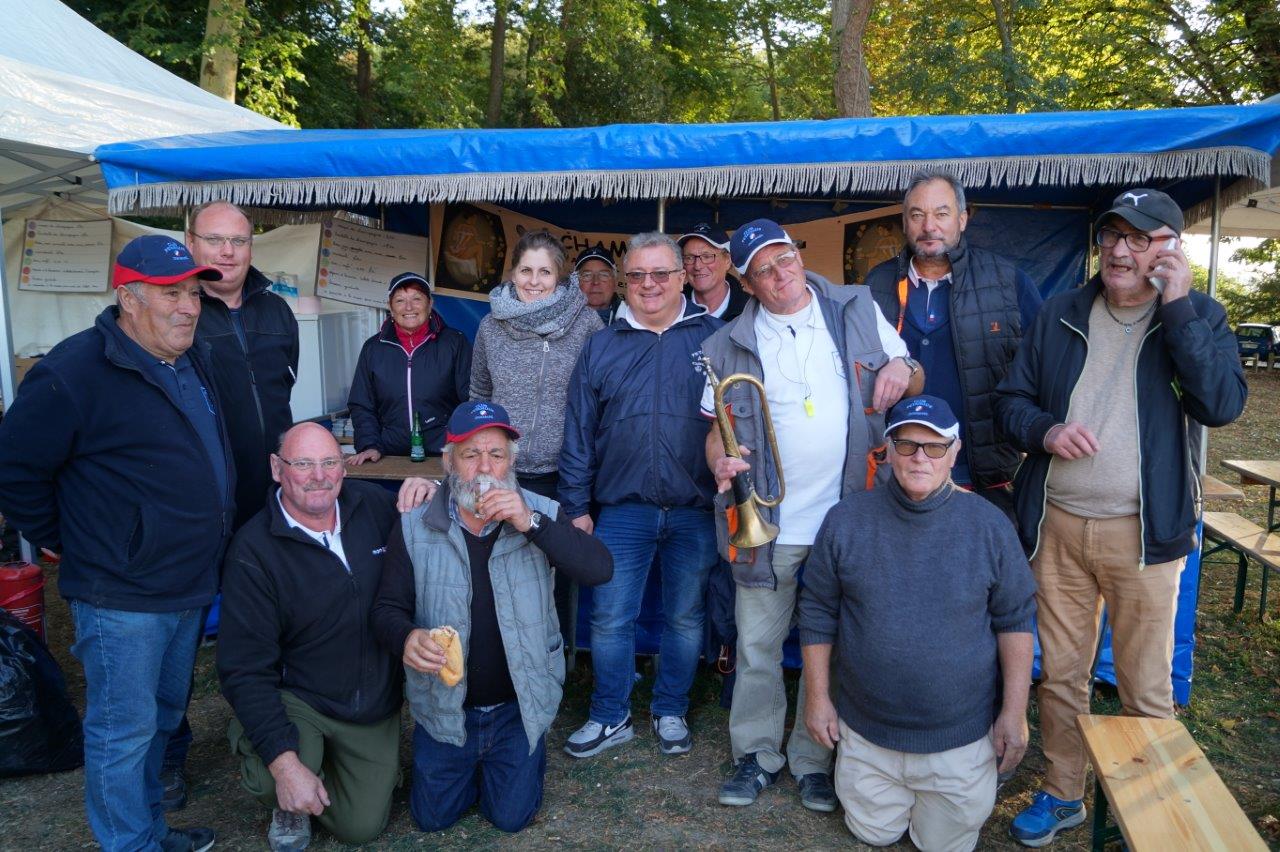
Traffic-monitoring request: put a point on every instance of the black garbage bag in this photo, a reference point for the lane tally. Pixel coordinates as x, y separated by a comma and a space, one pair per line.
39, 726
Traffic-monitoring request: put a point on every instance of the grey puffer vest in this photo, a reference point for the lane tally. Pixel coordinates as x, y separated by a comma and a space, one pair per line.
523, 596
849, 313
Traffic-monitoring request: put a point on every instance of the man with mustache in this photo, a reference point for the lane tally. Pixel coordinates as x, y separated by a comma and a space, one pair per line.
316, 700
1099, 398
962, 311
114, 453
478, 558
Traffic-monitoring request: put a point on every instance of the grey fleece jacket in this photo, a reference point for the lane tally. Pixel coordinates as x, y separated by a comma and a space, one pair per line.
528, 375
912, 595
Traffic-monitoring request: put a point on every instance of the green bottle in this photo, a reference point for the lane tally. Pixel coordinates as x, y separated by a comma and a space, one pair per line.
417, 452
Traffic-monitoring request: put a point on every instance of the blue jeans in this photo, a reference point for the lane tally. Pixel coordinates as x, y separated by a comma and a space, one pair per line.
685, 541
137, 671
494, 766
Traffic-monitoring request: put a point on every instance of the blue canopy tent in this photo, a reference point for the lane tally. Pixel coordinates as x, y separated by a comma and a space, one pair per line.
1037, 179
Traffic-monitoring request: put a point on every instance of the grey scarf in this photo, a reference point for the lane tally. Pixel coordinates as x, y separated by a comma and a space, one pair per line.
544, 317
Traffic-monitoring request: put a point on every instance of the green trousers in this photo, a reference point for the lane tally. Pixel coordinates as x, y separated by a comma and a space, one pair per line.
359, 765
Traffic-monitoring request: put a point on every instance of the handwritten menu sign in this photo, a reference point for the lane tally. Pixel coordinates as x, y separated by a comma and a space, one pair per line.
356, 263
66, 257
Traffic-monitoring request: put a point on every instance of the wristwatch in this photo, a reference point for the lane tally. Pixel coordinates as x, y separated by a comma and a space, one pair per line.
535, 521
912, 364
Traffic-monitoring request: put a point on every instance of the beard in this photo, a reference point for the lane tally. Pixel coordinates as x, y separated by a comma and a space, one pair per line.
466, 492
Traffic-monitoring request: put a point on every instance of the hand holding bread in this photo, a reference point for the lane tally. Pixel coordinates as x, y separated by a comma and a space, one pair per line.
451, 643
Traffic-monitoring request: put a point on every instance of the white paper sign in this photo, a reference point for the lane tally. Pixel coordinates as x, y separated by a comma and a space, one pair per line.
66, 257
356, 263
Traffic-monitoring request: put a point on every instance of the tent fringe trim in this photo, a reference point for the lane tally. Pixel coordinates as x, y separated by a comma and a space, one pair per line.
711, 182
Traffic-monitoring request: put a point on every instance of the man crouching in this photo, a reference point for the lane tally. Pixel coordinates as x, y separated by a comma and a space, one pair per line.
923, 590
478, 558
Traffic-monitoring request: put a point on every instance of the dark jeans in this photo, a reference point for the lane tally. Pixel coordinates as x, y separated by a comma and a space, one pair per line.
546, 484
493, 767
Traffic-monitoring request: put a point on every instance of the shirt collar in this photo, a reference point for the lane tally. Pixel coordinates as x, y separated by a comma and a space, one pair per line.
293, 523
457, 519
916, 280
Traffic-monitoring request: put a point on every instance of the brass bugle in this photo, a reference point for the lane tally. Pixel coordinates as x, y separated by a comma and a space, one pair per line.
753, 530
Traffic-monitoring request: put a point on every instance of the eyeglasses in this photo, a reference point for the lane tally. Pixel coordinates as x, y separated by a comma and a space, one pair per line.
590, 277
495, 456
218, 241
308, 465
1108, 237
783, 261
659, 276
707, 258
932, 449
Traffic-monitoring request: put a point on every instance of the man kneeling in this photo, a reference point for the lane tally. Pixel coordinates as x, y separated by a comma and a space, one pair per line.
478, 558
928, 592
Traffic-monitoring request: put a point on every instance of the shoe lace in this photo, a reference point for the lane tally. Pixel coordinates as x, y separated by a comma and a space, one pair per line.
590, 730
672, 727
746, 772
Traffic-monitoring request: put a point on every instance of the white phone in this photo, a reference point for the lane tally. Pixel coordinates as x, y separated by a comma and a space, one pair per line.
1156, 281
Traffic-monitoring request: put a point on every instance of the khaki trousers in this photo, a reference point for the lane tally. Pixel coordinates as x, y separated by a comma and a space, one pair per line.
758, 714
942, 798
359, 765
1082, 563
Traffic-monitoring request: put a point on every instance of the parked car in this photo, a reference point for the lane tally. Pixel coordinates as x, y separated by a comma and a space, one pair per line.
1258, 340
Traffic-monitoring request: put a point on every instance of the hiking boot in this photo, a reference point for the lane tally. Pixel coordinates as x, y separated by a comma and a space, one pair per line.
1044, 818
188, 840
593, 737
673, 734
174, 796
289, 832
816, 792
744, 785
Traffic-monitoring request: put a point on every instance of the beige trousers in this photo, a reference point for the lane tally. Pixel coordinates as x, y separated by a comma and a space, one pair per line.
943, 799
1082, 563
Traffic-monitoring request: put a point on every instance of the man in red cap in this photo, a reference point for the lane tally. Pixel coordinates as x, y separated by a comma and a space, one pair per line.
114, 454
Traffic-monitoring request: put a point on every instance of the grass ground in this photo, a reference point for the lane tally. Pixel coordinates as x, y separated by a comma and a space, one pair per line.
635, 797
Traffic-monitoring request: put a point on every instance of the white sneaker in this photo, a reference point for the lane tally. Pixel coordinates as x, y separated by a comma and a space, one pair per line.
289, 832
593, 737
673, 734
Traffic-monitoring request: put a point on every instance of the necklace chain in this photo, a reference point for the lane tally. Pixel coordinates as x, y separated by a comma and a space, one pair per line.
1128, 326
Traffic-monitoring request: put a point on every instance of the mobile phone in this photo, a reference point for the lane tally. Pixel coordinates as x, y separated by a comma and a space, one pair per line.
1155, 280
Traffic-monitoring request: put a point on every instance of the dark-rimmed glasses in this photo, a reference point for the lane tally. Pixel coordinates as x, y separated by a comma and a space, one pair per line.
1108, 237
659, 276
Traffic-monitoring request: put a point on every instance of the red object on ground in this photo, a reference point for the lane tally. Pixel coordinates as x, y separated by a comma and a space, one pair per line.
22, 594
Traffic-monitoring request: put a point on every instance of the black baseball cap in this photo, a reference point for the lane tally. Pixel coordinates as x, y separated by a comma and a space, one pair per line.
1146, 210
408, 279
596, 253
717, 237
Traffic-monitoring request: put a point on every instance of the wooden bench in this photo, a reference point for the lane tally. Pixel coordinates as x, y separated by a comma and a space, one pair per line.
1246, 539
1213, 488
1163, 790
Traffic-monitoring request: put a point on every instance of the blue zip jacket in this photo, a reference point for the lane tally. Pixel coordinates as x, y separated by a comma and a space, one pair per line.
97, 463
632, 432
1187, 367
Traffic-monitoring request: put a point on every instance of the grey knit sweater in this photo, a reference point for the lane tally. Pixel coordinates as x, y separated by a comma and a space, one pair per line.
912, 596
528, 375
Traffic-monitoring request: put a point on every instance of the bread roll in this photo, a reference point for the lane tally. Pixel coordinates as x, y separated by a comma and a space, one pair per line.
449, 641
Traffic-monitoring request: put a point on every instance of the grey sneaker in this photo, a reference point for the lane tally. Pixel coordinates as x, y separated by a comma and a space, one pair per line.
816, 792
593, 737
743, 787
673, 734
289, 832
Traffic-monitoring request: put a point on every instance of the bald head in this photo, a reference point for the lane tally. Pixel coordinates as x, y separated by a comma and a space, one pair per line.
309, 495
309, 437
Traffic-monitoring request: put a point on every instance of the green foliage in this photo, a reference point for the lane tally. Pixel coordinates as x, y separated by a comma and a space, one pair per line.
1259, 299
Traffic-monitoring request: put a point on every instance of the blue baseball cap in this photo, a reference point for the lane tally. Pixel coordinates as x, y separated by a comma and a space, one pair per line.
930, 411
409, 279
475, 416
595, 253
717, 237
159, 260
752, 237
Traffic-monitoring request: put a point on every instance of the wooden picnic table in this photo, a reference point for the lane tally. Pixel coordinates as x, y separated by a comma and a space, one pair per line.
1213, 488
1259, 472
397, 467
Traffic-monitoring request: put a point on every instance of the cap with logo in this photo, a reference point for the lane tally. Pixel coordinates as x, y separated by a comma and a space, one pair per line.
160, 260
472, 417
752, 237
1146, 210
715, 236
597, 253
929, 411
409, 279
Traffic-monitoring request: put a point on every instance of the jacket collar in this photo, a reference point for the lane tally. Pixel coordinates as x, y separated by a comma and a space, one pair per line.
435, 325
348, 501
692, 310
115, 351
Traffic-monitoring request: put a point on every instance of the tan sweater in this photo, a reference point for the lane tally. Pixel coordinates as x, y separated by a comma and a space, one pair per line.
1104, 485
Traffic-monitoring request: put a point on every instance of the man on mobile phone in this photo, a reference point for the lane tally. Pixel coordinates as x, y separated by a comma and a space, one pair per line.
1098, 398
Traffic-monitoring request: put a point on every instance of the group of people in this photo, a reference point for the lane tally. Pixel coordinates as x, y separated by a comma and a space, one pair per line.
582, 442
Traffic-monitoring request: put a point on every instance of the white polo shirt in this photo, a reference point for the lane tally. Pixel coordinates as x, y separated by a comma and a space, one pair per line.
331, 540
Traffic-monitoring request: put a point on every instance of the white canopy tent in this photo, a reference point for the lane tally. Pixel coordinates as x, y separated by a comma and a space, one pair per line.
66, 87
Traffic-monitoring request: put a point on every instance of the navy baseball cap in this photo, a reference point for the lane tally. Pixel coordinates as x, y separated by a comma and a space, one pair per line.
408, 279
925, 410
1146, 210
715, 236
160, 260
475, 416
597, 253
752, 237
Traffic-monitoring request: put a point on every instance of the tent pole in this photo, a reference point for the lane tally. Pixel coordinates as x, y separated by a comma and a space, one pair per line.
8, 383
1215, 234
662, 214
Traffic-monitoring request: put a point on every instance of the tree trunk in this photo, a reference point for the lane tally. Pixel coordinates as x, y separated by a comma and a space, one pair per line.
497, 63
766, 33
1009, 63
853, 83
364, 64
220, 57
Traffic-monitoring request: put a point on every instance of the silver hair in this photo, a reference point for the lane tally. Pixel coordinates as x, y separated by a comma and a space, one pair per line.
196, 211
655, 239
923, 176
134, 287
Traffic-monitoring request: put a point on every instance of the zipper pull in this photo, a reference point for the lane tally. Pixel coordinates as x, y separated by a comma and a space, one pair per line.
546, 346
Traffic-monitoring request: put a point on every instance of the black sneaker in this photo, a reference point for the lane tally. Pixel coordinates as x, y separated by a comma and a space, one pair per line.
746, 782
816, 792
188, 840
593, 737
174, 782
